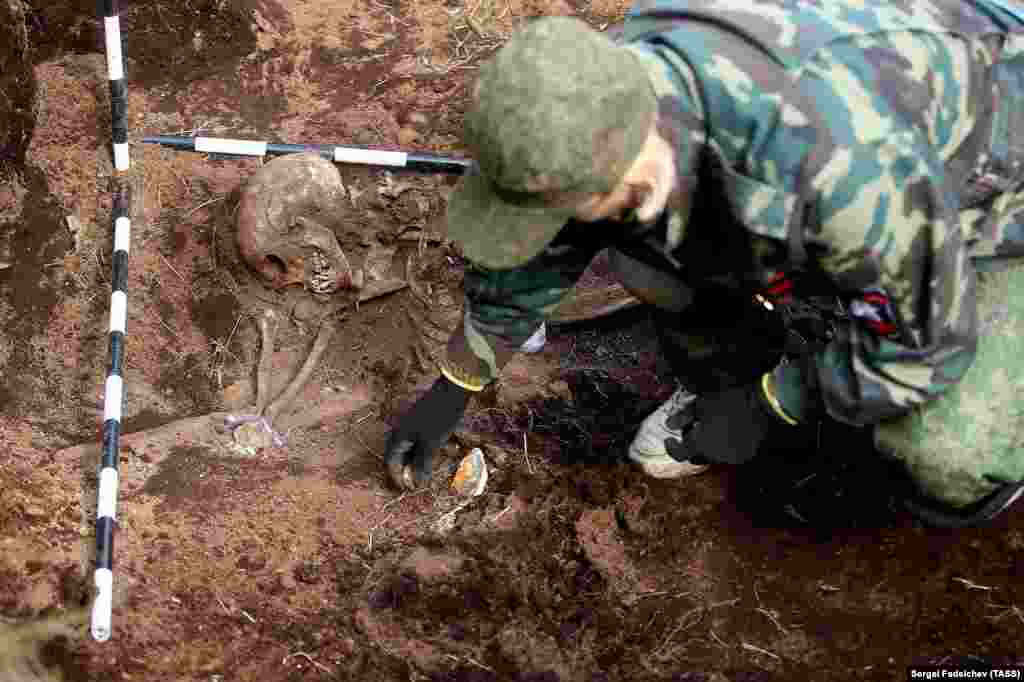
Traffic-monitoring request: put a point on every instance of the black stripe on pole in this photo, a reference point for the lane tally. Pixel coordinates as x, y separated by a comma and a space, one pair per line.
437, 164
119, 271
116, 354
110, 8
111, 440
119, 110
105, 542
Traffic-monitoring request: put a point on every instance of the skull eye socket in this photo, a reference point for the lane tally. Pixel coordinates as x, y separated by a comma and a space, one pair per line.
277, 264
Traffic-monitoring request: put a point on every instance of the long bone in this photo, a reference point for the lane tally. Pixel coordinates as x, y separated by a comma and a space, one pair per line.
263, 420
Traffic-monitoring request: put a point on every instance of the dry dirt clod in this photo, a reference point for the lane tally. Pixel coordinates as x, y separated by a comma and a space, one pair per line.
407, 136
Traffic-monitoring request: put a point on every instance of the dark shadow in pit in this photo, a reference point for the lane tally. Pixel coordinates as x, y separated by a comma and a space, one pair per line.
162, 41
832, 480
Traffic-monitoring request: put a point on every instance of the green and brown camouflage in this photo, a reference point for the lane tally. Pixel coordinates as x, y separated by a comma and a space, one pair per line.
873, 141
556, 115
967, 443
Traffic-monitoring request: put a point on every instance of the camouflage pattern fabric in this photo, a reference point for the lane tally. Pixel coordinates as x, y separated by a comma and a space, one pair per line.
970, 441
874, 142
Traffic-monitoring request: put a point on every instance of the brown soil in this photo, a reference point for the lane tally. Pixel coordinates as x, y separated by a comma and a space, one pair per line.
301, 562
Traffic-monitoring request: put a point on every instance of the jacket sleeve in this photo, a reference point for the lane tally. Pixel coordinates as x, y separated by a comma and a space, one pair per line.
503, 308
890, 239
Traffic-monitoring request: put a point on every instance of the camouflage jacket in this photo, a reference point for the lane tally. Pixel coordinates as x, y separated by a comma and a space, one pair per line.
850, 138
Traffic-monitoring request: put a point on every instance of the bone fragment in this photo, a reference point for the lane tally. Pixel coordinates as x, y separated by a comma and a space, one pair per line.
381, 287
268, 330
319, 346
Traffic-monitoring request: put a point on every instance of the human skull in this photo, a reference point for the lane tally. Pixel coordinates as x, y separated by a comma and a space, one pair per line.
281, 233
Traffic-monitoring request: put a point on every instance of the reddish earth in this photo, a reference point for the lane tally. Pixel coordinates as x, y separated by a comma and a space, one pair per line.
301, 562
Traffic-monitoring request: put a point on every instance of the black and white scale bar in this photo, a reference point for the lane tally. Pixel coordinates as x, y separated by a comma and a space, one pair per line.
113, 394
118, 86
413, 161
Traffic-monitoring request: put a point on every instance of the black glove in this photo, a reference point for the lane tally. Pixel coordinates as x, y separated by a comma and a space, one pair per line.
730, 426
423, 429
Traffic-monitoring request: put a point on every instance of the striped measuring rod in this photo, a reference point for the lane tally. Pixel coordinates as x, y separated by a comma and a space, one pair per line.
413, 161
113, 398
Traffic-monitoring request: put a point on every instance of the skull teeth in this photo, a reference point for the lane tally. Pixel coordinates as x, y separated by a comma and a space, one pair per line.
321, 280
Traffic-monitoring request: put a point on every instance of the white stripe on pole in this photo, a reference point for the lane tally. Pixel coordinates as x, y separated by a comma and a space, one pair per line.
219, 145
121, 156
118, 311
112, 33
122, 234
112, 398
374, 157
103, 604
107, 505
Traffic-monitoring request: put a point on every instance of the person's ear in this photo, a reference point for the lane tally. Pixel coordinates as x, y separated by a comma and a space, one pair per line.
638, 193
654, 185
647, 199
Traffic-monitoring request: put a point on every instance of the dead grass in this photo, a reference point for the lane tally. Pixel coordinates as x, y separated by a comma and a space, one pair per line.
476, 29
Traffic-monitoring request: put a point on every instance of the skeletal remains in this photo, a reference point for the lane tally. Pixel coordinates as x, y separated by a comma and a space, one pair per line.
257, 431
283, 213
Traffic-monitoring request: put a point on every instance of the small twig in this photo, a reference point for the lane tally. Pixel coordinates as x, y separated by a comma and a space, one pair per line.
972, 585
804, 480
202, 205
168, 263
504, 511
168, 327
248, 617
303, 654
773, 617
355, 432
231, 336
371, 413
680, 626
759, 650
395, 501
469, 660
223, 606
526, 454
102, 266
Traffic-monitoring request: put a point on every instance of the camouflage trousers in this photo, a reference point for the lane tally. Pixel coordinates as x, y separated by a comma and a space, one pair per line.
957, 450
970, 442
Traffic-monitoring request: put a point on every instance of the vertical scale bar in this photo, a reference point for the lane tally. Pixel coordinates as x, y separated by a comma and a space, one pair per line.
113, 397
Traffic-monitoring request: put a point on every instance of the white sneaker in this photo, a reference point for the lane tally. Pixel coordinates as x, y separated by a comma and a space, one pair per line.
536, 343
668, 421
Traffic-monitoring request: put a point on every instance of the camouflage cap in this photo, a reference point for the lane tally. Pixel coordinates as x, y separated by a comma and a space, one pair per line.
558, 113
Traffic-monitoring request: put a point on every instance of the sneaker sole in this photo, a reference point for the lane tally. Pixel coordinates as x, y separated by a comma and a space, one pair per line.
667, 467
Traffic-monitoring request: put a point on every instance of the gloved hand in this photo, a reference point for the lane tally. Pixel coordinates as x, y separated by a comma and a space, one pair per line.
731, 425
422, 430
